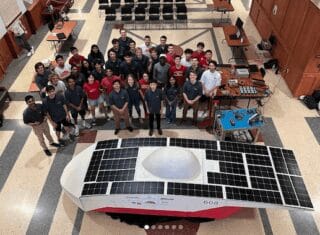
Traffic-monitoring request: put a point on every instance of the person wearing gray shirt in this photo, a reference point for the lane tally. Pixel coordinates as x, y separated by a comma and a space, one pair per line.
161, 71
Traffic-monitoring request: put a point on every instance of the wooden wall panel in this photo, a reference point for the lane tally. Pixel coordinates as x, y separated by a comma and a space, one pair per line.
5, 57
34, 16
278, 18
267, 6
308, 37
255, 10
263, 25
293, 21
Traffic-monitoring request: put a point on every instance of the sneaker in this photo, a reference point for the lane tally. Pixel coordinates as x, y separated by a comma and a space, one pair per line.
107, 117
65, 136
29, 54
93, 122
116, 131
130, 128
160, 131
47, 152
85, 124
32, 50
76, 130
150, 132
55, 145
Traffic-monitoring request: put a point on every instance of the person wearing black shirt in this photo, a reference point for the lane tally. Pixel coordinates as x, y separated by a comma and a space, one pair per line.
95, 54
98, 72
172, 96
124, 43
192, 92
57, 113
162, 48
141, 60
118, 100
154, 98
86, 68
128, 66
35, 117
75, 98
115, 47
42, 78
113, 63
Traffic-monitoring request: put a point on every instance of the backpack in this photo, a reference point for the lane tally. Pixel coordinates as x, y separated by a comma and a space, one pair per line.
310, 102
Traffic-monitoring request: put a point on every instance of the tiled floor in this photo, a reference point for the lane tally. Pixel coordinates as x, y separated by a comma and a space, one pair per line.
31, 200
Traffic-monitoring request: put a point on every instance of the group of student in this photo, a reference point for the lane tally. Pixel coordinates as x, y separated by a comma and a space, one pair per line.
148, 74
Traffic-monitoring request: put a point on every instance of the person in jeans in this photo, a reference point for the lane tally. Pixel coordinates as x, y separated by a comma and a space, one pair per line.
20, 32
57, 112
132, 88
119, 105
192, 91
154, 98
35, 117
172, 95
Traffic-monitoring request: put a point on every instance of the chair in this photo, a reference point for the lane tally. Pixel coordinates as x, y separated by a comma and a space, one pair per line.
142, 3
126, 13
182, 14
167, 14
115, 3
110, 14
155, 3
139, 15
154, 15
167, 3
103, 4
180, 2
129, 3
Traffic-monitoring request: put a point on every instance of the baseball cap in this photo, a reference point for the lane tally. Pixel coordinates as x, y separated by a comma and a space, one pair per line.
163, 55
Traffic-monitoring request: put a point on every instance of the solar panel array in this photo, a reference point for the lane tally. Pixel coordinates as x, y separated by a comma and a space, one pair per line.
246, 172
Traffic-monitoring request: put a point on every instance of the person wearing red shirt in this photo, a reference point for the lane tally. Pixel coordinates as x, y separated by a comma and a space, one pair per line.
144, 86
178, 71
170, 55
76, 59
199, 53
106, 84
92, 90
204, 62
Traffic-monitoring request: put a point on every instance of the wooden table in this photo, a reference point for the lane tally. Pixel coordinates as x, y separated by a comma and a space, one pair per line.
67, 28
235, 44
221, 6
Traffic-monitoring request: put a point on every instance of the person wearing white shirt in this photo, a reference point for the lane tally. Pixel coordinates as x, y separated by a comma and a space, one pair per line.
211, 80
63, 69
187, 59
146, 46
19, 32
59, 85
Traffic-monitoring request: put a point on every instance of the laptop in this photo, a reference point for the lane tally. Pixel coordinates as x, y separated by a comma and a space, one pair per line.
61, 36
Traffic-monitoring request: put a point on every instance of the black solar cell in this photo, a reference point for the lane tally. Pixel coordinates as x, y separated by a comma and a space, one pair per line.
253, 195
119, 175
262, 160
198, 190
279, 163
193, 143
94, 188
107, 144
287, 190
137, 142
227, 179
301, 192
120, 153
261, 171
223, 156
244, 148
291, 162
234, 168
264, 183
137, 188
